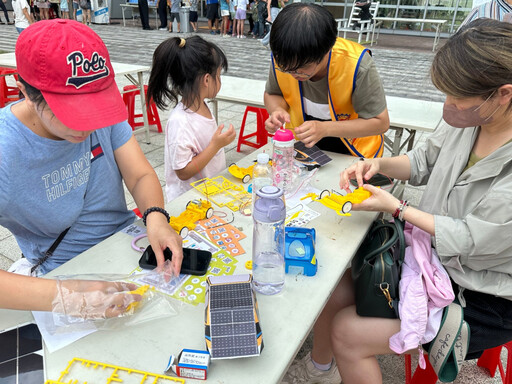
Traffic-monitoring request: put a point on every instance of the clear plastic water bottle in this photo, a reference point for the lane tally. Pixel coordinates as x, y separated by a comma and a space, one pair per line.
261, 174
283, 167
268, 240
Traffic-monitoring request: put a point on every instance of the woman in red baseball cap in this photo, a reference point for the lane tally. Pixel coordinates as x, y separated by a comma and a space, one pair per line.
65, 152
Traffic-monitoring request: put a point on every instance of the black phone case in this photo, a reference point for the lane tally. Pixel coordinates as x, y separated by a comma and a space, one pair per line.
148, 261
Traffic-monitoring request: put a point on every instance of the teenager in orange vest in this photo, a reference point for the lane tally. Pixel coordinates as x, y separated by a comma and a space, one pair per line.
326, 89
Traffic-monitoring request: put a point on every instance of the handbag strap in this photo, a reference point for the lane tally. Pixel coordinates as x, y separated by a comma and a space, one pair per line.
448, 349
50, 250
397, 233
399, 225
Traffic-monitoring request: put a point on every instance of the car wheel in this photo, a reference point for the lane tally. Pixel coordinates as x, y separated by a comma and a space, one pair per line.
325, 193
209, 213
347, 207
184, 232
246, 179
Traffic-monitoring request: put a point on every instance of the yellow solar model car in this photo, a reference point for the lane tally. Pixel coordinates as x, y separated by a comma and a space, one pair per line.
245, 174
196, 210
341, 204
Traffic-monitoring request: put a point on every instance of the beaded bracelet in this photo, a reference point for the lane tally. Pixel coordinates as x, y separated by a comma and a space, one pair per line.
402, 211
399, 212
155, 209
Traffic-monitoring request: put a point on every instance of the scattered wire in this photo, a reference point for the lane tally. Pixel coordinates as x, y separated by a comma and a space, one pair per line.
222, 224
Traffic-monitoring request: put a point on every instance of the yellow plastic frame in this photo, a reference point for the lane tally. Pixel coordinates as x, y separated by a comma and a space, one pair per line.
114, 377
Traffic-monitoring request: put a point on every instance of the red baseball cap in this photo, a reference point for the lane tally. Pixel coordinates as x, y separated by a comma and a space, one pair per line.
69, 63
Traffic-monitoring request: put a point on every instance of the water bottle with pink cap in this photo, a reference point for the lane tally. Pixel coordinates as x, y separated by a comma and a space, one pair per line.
283, 167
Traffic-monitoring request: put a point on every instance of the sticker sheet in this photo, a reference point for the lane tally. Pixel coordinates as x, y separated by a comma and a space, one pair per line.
223, 235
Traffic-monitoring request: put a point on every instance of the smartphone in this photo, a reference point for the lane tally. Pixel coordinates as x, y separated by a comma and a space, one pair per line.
195, 261
377, 180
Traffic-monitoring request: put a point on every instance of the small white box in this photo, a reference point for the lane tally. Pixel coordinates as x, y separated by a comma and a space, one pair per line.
190, 363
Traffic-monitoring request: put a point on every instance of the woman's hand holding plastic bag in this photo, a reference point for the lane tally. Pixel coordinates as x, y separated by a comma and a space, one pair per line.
91, 299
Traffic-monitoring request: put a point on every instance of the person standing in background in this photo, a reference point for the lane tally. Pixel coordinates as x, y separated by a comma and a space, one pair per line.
144, 14
193, 14
2, 6
22, 16
64, 9
75, 8
85, 5
161, 6
262, 16
240, 15
174, 12
224, 14
212, 14
272, 12
249, 15
44, 9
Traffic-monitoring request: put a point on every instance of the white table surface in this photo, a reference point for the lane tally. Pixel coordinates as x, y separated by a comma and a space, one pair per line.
286, 319
419, 115
132, 72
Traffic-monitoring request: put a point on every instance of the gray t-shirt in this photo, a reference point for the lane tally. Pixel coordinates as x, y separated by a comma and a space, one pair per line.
368, 97
50, 185
175, 6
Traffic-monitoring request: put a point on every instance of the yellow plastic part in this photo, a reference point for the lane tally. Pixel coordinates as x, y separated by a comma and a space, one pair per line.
245, 174
341, 204
222, 192
109, 374
139, 291
186, 221
248, 264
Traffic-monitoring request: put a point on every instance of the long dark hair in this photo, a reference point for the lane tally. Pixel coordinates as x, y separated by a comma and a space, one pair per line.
178, 66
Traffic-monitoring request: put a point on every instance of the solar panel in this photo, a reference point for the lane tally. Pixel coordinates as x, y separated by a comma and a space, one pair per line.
233, 330
21, 359
312, 157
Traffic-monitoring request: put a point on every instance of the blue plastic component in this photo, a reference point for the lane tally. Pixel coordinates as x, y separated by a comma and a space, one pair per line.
299, 252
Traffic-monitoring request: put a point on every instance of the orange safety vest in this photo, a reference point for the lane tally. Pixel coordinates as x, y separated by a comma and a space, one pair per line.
344, 59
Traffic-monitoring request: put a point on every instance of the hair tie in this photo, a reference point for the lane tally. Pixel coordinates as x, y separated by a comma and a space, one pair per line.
182, 42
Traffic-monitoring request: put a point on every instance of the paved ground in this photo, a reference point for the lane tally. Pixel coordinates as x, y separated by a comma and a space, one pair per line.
403, 64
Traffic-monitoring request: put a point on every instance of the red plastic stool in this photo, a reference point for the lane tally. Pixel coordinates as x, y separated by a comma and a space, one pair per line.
8, 94
129, 93
490, 359
261, 133
421, 376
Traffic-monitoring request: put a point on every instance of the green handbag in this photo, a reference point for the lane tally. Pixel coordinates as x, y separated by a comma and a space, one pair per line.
376, 269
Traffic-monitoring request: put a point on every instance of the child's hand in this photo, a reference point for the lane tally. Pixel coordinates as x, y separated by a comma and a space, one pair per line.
221, 139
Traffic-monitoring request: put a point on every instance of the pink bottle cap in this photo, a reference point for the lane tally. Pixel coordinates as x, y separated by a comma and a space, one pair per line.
283, 135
